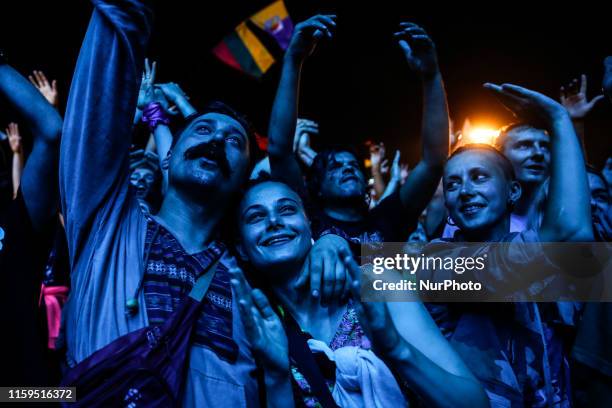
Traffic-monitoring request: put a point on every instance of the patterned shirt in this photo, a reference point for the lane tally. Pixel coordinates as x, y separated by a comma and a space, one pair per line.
171, 273
349, 333
511, 348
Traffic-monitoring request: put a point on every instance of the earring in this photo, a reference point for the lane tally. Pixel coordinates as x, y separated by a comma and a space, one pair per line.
450, 221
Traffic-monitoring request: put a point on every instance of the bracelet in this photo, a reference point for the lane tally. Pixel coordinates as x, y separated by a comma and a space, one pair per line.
153, 115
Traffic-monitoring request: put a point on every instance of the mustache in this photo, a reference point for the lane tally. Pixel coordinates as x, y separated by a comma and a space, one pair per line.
214, 151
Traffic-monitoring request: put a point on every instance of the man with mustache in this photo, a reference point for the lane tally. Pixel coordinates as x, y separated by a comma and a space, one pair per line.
130, 269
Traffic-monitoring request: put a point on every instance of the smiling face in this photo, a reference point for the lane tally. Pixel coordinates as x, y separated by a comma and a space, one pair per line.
477, 192
275, 233
211, 155
528, 149
142, 179
343, 179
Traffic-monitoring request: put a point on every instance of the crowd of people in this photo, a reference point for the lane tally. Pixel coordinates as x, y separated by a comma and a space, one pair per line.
203, 270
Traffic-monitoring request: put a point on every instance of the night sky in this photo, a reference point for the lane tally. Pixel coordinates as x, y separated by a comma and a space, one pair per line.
358, 86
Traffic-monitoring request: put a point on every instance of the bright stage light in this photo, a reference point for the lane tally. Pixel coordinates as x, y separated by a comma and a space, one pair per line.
480, 135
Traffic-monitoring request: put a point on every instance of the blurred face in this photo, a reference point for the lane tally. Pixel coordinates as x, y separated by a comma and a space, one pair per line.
274, 230
477, 192
600, 198
343, 178
142, 180
212, 155
529, 152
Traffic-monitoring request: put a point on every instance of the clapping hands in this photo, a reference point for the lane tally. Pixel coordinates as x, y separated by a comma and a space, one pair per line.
263, 327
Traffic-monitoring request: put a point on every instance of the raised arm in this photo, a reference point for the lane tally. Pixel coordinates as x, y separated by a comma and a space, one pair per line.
162, 94
404, 335
94, 164
14, 139
39, 179
395, 181
567, 213
175, 95
420, 53
301, 142
283, 162
573, 97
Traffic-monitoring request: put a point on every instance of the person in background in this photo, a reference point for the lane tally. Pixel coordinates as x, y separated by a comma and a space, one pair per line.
27, 226
481, 191
600, 205
14, 139
337, 183
591, 350
145, 179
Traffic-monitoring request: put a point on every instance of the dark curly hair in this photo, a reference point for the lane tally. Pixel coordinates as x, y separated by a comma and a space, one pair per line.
318, 169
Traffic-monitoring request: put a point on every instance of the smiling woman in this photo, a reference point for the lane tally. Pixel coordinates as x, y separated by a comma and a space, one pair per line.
275, 238
480, 191
275, 232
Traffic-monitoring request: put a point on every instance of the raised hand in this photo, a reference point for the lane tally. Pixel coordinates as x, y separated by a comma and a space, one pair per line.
531, 106
14, 138
173, 92
175, 95
308, 33
404, 172
148, 92
48, 90
373, 316
396, 170
377, 156
263, 327
303, 129
418, 48
574, 98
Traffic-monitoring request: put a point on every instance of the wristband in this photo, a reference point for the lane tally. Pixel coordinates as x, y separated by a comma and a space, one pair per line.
153, 115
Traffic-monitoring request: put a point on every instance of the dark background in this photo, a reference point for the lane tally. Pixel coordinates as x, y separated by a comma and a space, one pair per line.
358, 86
